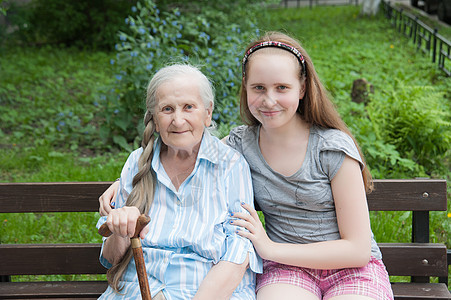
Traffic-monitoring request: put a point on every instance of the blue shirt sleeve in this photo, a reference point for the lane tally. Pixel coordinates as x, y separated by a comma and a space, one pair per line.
102, 259
125, 186
239, 189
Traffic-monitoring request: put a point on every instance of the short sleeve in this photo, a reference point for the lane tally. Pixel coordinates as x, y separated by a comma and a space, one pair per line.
336, 145
239, 190
235, 138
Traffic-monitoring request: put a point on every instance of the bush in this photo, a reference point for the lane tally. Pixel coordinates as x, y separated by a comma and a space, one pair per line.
384, 160
82, 23
415, 120
209, 38
404, 130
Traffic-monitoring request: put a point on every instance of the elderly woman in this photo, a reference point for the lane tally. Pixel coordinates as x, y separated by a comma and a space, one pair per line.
189, 183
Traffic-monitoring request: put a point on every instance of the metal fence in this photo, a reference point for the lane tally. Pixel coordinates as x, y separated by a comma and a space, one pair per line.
310, 3
428, 40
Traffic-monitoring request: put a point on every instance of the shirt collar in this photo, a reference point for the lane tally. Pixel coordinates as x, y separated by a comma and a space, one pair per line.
208, 150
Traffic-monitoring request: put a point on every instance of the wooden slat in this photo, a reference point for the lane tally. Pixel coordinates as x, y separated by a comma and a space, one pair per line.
423, 291
389, 195
55, 290
414, 259
46, 259
93, 289
51, 196
408, 195
38, 259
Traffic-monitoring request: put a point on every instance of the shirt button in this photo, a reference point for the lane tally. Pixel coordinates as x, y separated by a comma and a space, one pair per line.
179, 202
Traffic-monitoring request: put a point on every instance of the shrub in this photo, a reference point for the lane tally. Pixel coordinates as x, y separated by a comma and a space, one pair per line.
404, 130
82, 23
415, 120
210, 38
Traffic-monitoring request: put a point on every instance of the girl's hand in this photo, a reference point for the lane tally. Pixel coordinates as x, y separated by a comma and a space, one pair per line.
256, 232
105, 206
122, 222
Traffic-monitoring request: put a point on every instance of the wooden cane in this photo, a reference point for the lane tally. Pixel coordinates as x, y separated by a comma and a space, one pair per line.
142, 221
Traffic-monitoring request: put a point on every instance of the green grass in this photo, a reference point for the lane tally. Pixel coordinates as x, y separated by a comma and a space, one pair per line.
51, 95
43, 164
39, 88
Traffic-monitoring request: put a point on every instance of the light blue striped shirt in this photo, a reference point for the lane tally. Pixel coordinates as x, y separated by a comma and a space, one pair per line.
189, 227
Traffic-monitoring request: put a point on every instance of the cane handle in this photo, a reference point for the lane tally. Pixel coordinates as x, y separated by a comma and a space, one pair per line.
142, 221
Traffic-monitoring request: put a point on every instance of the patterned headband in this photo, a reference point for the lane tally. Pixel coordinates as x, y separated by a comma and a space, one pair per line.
280, 45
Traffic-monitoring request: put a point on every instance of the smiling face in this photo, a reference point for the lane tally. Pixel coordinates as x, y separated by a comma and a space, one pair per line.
274, 87
180, 114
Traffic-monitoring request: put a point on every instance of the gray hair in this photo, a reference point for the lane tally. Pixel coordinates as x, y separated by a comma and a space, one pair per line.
168, 73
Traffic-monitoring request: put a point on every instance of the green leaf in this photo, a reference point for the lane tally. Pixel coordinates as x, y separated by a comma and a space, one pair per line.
121, 141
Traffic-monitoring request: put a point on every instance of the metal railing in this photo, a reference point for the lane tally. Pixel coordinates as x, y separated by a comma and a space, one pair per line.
310, 3
426, 39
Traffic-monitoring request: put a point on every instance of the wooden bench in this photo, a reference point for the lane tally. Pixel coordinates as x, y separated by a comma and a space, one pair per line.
419, 259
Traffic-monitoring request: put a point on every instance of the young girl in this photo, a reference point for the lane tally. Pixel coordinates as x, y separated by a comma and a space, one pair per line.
309, 180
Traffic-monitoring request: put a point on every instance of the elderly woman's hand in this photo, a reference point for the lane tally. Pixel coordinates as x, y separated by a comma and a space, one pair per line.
107, 197
122, 222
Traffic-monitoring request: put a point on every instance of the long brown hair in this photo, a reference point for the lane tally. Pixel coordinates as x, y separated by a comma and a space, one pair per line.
316, 108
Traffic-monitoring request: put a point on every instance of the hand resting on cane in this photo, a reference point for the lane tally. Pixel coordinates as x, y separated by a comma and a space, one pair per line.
122, 223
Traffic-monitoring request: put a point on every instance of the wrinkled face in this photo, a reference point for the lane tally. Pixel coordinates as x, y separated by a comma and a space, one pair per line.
273, 87
180, 114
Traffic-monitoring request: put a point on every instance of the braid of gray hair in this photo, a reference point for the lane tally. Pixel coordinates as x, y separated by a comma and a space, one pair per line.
143, 182
141, 195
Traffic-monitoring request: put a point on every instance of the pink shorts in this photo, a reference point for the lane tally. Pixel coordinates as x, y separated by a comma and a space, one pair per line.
371, 280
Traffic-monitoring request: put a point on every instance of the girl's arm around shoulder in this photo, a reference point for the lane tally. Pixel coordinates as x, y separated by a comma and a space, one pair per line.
108, 197
224, 139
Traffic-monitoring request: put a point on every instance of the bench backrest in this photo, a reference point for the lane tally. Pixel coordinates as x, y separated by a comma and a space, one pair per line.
419, 196
50, 259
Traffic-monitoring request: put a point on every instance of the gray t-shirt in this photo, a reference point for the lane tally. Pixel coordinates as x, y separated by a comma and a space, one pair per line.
299, 208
